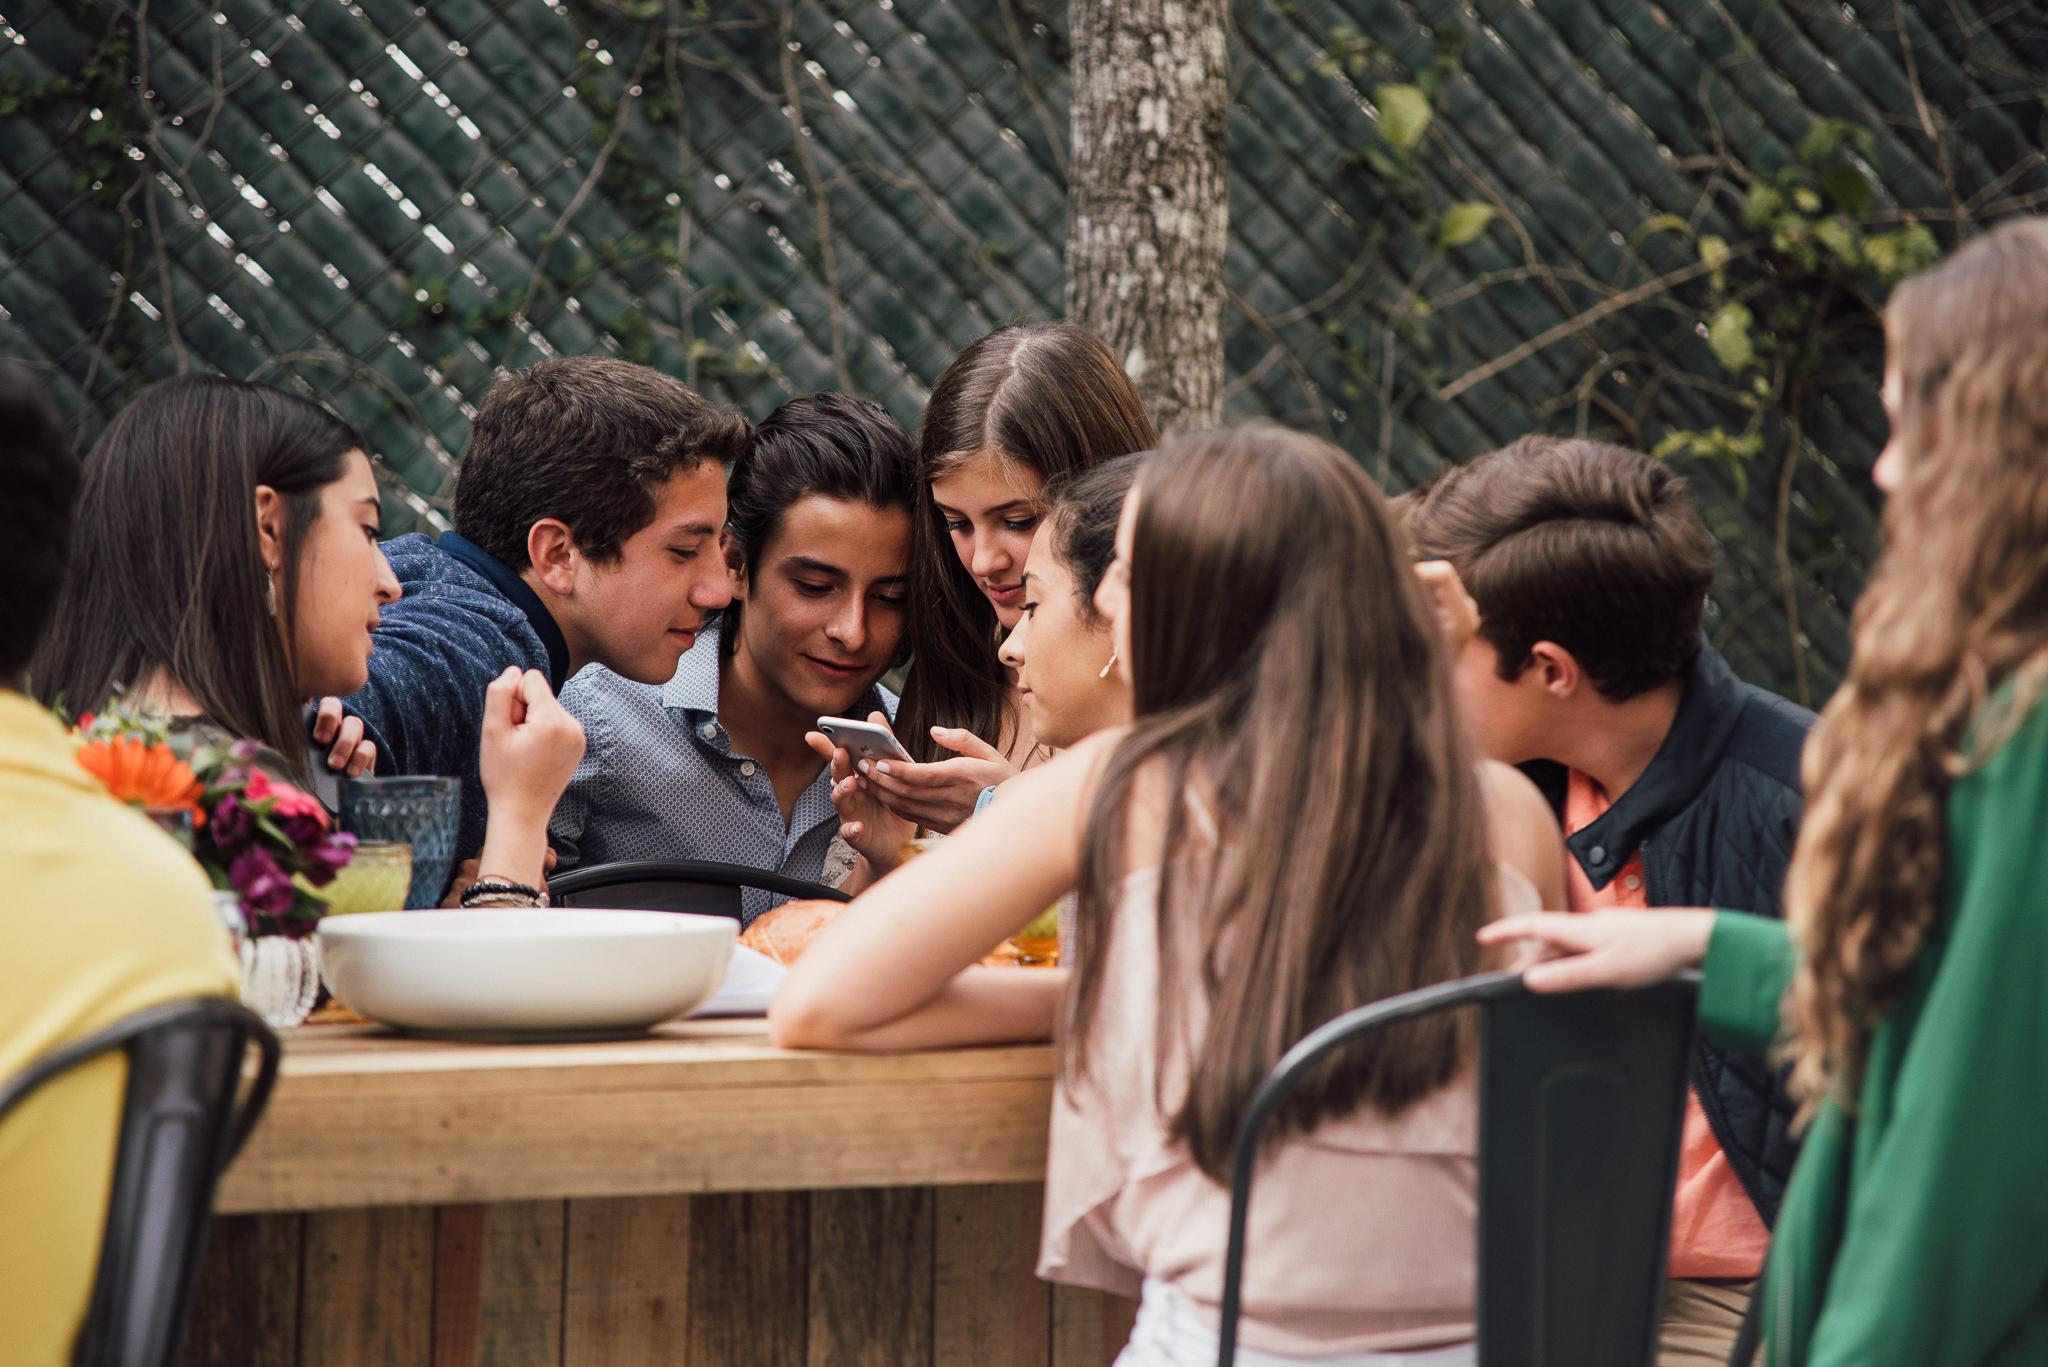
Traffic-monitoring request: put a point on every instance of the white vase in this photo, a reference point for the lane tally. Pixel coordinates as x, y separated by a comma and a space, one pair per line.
280, 977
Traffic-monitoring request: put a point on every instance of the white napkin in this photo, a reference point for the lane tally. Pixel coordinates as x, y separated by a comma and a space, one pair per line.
750, 982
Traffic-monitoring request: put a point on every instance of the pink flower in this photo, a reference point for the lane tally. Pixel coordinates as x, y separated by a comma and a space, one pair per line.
287, 801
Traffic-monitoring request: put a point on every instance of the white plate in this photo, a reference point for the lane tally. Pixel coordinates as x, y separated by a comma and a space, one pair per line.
525, 973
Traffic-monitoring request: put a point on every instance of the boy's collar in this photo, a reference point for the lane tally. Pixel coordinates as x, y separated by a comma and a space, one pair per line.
1707, 715
522, 596
694, 687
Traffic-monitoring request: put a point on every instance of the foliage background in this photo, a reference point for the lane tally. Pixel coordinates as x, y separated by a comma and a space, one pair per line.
1452, 223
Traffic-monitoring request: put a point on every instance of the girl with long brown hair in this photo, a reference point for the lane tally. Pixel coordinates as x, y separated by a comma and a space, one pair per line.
1294, 825
1016, 415
225, 571
1911, 972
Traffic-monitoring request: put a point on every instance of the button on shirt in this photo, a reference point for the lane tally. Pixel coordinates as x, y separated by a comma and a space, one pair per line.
660, 780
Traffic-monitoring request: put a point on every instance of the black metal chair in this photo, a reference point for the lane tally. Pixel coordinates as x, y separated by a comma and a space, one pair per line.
180, 1128
1581, 1102
696, 885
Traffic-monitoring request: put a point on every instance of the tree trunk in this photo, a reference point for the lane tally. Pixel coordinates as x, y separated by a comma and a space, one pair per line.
1148, 197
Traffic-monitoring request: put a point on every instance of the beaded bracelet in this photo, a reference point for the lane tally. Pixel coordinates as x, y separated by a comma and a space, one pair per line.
502, 892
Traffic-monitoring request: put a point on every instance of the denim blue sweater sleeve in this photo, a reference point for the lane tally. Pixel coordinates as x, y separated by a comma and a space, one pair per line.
435, 650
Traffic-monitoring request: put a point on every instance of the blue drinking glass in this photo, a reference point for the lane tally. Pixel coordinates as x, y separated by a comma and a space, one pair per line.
423, 811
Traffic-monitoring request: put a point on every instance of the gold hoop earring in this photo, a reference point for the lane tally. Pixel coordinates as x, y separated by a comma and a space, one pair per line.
1111, 665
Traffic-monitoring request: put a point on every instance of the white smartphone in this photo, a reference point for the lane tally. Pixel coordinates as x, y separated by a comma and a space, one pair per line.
863, 739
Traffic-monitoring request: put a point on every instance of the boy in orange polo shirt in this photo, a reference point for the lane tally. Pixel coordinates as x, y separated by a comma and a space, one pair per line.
1677, 784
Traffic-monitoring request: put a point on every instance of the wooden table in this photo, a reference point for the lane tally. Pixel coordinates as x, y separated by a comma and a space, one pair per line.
697, 1197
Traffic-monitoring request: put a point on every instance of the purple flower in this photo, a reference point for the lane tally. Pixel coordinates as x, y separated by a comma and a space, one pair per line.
328, 858
245, 751
263, 885
300, 830
232, 822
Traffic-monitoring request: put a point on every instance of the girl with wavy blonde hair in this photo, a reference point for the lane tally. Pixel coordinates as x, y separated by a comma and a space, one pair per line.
1910, 976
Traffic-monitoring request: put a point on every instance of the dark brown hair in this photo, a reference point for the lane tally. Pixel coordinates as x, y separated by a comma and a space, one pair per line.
1956, 609
1595, 547
167, 568
826, 444
588, 440
1286, 666
1051, 397
38, 485
1084, 517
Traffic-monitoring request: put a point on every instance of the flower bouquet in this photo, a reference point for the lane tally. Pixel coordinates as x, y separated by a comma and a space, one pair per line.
250, 832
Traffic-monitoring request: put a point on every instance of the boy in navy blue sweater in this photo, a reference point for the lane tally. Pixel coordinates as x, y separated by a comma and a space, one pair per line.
588, 518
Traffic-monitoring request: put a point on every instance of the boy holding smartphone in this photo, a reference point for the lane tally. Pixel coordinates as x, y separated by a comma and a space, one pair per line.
1677, 784
714, 764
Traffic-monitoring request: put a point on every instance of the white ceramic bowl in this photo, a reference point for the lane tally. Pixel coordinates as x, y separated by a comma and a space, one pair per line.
525, 973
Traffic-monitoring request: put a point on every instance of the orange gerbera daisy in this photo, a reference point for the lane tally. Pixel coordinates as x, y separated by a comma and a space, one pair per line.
143, 775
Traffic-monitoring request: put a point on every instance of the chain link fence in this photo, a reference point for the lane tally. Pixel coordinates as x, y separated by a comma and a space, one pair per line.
1452, 223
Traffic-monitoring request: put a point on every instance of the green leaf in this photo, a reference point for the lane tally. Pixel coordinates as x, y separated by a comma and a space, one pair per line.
1849, 190
1896, 255
1728, 335
1807, 201
1828, 134
1714, 444
1839, 236
1404, 114
1714, 252
1765, 204
1463, 223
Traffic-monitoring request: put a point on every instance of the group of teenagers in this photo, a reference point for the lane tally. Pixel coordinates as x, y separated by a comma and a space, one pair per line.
1293, 746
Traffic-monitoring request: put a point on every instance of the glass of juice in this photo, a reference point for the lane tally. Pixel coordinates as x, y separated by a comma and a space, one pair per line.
375, 880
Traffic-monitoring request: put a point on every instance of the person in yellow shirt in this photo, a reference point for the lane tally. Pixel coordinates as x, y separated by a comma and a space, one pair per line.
102, 915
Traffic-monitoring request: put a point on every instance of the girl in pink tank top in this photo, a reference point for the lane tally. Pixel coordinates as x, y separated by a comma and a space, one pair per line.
1293, 826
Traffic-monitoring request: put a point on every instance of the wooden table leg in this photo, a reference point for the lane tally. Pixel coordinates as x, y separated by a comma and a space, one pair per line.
627, 1281
870, 1302
368, 1290
867, 1277
1089, 1328
989, 1309
245, 1307
749, 1278
498, 1284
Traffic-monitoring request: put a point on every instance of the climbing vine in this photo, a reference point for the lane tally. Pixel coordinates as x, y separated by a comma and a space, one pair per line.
718, 187
1719, 332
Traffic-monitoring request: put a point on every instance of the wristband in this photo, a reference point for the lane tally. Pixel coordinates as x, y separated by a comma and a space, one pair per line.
492, 891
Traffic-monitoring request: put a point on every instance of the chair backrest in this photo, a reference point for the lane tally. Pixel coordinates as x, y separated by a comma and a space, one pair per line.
180, 1128
698, 885
1581, 1103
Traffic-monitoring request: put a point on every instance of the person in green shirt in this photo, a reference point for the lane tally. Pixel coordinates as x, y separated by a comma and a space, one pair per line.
1906, 984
